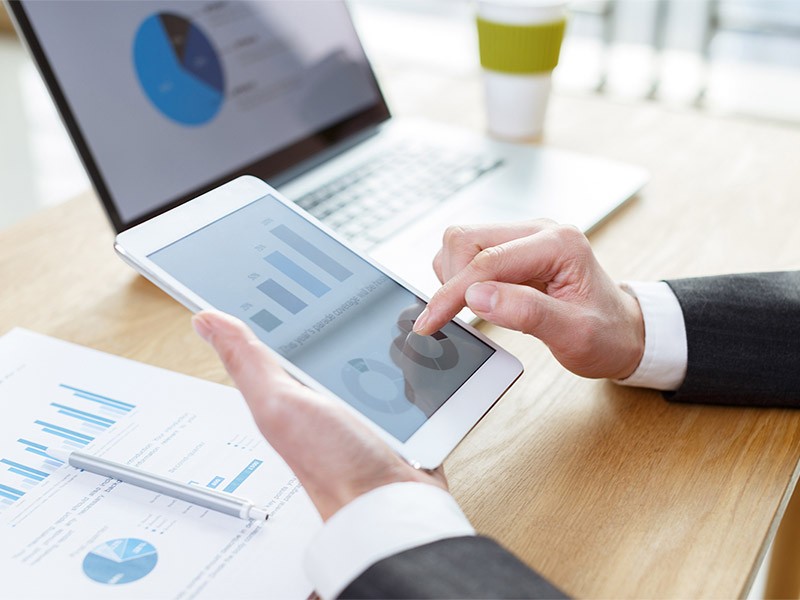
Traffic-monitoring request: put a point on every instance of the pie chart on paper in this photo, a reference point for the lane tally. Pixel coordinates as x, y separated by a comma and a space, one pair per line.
119, 561
179, 69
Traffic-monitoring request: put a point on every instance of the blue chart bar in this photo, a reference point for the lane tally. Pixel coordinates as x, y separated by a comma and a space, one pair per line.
21, 469
38, 452
298, 274
110, 402
282, 296
10, 493
32, 444
311, 252
83, 415
242, 476
67, 434
214, 483
266, 320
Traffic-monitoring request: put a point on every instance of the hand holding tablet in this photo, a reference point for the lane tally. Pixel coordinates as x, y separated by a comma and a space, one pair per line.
341, 458
334, 319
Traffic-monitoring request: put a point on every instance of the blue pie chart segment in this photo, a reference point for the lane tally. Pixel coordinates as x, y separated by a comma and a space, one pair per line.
179, 69
119, 561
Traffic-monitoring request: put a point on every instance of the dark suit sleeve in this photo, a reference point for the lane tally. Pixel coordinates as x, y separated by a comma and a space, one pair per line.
743, 335
461, 567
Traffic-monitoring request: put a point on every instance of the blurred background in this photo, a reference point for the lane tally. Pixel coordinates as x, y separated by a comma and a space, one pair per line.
737, 57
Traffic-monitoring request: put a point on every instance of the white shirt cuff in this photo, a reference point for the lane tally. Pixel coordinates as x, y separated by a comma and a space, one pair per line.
379, 524
663, 365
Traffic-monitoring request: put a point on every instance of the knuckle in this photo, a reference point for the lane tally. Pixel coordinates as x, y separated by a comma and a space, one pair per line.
531, 317
488, 258
574, 236
437, 261
454, 235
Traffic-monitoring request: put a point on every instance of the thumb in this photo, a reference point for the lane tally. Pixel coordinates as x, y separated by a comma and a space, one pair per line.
250, 364
519, 307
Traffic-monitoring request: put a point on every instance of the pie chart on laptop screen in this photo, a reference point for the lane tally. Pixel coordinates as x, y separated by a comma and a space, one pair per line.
179, 69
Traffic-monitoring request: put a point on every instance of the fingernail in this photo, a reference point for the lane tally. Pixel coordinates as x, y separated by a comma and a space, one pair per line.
421, 320
481, 297
201, 326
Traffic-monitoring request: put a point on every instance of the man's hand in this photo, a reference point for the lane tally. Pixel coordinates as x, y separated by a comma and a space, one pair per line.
540, 278
335, 457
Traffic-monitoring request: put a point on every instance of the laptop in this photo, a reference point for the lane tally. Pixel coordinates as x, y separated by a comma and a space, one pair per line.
166, 99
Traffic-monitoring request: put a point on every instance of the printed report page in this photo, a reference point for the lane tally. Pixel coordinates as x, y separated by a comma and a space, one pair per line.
65, 531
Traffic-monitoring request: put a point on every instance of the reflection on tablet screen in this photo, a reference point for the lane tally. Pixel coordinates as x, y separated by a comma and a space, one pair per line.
328, 311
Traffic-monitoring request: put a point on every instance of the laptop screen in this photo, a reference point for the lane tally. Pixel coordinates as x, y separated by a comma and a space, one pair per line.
166, 99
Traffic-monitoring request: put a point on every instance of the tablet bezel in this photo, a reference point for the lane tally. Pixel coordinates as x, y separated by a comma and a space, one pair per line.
439, 435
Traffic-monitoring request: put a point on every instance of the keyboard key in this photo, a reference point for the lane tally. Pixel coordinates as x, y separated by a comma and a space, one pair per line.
375, 199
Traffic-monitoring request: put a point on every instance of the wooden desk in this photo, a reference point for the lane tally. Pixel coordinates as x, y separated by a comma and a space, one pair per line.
608, 491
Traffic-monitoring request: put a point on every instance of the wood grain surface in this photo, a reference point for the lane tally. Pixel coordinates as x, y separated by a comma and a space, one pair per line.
608, 491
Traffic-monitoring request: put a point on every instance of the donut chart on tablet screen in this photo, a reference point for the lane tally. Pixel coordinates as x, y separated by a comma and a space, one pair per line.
376, 384
436, 351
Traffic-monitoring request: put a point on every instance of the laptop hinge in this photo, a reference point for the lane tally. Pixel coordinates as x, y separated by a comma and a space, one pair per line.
324, 156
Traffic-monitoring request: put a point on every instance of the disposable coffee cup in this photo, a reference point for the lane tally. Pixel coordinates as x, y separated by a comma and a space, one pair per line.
520, 42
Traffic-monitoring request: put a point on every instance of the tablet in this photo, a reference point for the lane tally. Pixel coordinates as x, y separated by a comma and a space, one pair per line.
337, 321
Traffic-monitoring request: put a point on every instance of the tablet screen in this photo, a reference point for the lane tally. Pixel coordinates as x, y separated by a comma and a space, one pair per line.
328, 311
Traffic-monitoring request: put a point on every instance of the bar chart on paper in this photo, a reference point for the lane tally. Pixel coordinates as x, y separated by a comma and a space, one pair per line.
70, 422
67, 532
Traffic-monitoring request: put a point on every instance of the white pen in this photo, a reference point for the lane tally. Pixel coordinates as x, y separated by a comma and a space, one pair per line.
208, 498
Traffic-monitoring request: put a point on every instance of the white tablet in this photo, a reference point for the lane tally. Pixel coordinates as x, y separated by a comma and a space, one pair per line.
337, 321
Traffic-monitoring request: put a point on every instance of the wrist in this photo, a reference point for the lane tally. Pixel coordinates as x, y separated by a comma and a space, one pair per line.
633, 340
398, 473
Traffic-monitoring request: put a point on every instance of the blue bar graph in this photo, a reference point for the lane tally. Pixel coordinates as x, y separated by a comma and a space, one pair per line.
297, 273
282, 296
89, 419
38, 452
311, 252
10, 492
214, 483
239, 479
68, 434
32, 444
83, 415
21, 469
30, 478
266, 320
125, 406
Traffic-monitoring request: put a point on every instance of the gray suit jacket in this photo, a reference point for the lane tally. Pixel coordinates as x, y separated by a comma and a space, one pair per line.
462, 567
743, 334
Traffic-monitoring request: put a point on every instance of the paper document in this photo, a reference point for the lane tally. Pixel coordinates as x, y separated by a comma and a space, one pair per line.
67, 533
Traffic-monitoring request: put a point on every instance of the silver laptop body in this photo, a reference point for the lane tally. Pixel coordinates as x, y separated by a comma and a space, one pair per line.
169, 98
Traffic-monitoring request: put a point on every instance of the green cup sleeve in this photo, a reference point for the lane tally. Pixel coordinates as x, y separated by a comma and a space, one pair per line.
520, 49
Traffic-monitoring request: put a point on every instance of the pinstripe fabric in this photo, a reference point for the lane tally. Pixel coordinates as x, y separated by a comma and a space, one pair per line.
743, 335
461, 567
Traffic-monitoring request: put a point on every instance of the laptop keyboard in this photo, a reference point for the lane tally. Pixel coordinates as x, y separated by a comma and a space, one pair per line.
375, 199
